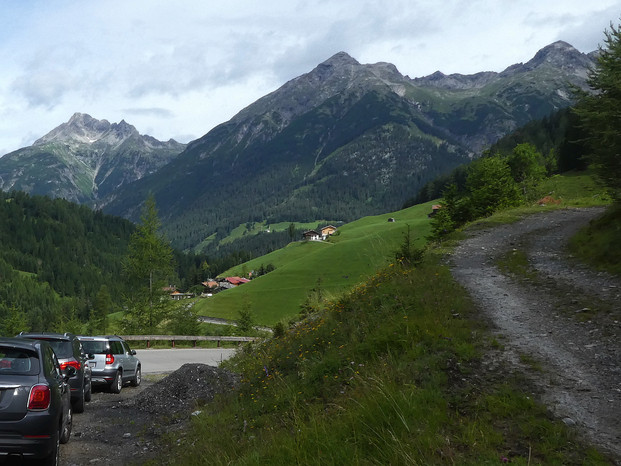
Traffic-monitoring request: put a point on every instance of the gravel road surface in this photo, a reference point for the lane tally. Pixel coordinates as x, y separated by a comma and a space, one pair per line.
567, 318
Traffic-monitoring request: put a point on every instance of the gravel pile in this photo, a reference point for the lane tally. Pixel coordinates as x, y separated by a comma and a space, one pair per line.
188, 387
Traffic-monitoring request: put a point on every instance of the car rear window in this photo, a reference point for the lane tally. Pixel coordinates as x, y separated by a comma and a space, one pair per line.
16, 361
62, 348
95, 347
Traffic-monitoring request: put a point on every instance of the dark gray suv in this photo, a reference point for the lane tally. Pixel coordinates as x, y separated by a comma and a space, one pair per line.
69, 352
112, 361
35, 400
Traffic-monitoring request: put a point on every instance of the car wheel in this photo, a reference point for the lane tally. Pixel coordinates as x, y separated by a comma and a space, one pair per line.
65, 428
88, 393
117, 383
137, 378
78, 405
52, 458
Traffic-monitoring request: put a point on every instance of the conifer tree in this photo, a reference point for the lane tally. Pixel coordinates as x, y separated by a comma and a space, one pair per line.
600, 113
148, 269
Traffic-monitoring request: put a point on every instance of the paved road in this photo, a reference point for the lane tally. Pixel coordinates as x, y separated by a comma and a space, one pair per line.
167, 360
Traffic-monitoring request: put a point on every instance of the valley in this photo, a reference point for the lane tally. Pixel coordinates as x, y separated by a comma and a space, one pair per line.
563, 355
444, 320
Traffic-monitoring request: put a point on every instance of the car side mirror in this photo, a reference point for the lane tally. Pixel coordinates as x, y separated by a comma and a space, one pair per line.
133, 352
69, 372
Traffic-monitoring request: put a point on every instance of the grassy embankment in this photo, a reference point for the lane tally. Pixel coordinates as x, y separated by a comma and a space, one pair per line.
400, 370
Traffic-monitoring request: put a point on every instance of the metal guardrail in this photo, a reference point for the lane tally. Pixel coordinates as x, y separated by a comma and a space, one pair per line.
192, 338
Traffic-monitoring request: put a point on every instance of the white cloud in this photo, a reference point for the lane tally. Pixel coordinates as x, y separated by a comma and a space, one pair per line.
177, 69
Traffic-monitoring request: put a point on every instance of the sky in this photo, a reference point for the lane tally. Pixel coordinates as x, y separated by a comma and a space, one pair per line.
178, 68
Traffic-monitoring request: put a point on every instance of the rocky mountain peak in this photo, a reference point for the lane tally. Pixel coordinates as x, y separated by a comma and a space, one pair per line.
80, 128
338, 66
340, 59
559, 55
84, 129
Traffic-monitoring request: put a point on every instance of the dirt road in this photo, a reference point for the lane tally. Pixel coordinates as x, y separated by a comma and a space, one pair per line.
562, 315
128, 428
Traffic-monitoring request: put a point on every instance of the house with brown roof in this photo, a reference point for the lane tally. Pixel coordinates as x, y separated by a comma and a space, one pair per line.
177, 295
327, 231
210, 284
311, 235
434, 210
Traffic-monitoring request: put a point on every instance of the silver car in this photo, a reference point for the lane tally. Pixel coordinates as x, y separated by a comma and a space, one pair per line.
113, 363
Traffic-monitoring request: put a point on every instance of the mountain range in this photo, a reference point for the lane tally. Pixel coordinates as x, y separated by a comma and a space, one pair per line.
342, 141
85, 159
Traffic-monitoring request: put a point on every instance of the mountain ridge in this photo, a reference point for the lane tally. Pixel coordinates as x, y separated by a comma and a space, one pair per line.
341, 141
344, 140
84, 159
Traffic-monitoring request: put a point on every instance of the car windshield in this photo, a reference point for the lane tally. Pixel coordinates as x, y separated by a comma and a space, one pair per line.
62, 348
95, 347
17, 361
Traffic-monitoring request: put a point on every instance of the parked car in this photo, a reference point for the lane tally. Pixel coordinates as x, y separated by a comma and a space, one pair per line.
69, 352
35, 400
112, 361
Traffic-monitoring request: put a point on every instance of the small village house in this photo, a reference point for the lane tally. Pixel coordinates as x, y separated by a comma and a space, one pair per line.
321, 235
327, 231
434, 210
178, 295
311, 235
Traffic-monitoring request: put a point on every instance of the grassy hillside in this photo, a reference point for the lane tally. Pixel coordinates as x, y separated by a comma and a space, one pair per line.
395, 372
356, 251
348, 258
398, 370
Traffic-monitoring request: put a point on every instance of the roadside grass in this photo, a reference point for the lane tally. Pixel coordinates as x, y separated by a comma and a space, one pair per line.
339, 264
531, 362
389, 373
599, 244
576, 188
572, 189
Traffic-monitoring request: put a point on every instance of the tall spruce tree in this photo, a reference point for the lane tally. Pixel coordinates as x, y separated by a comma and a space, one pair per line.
600, 113
148, 268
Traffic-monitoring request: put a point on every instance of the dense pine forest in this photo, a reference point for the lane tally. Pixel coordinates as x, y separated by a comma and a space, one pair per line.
55, 257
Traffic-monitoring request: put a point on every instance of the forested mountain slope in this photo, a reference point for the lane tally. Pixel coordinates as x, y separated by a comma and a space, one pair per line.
54, 258
343, 141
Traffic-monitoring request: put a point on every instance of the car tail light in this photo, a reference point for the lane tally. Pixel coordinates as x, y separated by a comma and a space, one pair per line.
109, 359
40, 397
76, 364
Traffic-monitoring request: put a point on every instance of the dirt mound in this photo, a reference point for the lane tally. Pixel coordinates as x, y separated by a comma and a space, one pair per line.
548, 200
188, 387
127, 428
